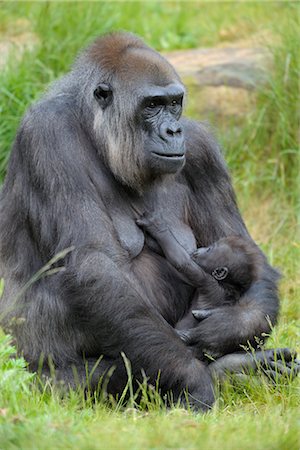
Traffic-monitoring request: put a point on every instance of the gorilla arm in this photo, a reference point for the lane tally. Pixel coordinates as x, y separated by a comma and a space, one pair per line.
213, 214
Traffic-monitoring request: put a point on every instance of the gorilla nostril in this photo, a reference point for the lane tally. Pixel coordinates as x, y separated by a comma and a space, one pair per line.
171, 131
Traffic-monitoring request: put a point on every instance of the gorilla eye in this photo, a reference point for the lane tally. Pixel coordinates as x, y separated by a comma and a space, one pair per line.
152, 103
176, 102
103, 94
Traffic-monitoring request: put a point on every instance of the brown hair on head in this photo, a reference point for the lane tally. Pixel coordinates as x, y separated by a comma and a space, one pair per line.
107, 50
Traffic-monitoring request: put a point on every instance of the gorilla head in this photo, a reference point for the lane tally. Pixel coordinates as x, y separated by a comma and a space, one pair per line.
136, 99
233, 259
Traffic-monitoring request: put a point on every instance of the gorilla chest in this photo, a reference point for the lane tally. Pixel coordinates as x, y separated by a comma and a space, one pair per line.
168, 201
130, 236
133, 240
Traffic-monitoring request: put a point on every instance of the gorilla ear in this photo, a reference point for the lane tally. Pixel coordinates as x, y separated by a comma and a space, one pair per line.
103, 95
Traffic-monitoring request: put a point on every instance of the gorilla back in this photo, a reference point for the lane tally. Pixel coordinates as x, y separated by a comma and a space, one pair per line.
104, 144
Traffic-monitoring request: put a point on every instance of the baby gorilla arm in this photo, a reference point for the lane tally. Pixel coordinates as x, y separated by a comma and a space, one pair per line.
176, 254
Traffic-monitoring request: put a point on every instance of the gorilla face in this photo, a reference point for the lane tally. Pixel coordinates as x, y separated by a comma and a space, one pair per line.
164, 144
156, 117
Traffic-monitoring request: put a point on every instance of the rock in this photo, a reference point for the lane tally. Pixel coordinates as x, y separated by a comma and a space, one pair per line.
221, 82
240, 67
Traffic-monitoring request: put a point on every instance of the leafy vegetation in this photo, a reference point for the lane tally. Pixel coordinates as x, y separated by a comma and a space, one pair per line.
264, 159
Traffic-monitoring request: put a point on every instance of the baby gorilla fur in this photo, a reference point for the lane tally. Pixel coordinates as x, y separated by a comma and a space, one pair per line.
222, 273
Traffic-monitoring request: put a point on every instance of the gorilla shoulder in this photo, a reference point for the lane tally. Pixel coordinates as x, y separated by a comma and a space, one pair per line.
203, 154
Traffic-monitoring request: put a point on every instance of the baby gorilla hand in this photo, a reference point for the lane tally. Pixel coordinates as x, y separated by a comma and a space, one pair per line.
152, 222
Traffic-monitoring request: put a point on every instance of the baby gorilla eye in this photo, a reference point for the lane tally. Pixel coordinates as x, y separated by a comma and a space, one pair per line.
220, 273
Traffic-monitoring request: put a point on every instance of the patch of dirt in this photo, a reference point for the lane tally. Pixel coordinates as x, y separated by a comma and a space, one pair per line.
220, 102
16, 38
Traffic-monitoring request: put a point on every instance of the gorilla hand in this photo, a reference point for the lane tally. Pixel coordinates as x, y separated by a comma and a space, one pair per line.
277, 363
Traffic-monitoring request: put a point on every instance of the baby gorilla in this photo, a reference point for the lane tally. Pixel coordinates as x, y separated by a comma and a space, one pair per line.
222, 272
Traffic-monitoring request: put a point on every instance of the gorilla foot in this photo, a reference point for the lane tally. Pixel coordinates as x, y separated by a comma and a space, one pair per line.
276, 364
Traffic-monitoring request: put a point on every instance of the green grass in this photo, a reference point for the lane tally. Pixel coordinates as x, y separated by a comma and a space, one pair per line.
264, 159
256, 415
268, 148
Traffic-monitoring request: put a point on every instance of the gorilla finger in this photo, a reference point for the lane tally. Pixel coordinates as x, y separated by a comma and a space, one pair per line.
142, 221
284, 354
283, 369
280, 367
201, 314
278, 354
271, 375
184, 335
293, 363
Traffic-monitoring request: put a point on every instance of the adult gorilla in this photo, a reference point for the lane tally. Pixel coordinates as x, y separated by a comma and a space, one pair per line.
104, 145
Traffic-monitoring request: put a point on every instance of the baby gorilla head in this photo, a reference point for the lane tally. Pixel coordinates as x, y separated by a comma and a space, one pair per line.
232, 260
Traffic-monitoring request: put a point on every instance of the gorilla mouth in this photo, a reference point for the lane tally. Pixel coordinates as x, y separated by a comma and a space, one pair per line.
176, 156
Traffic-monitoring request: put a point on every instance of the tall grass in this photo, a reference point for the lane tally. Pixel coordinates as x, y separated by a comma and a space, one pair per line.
266, 154
253, 415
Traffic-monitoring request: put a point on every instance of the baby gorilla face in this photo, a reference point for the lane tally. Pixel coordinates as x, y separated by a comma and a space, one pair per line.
216, 259
226, 260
